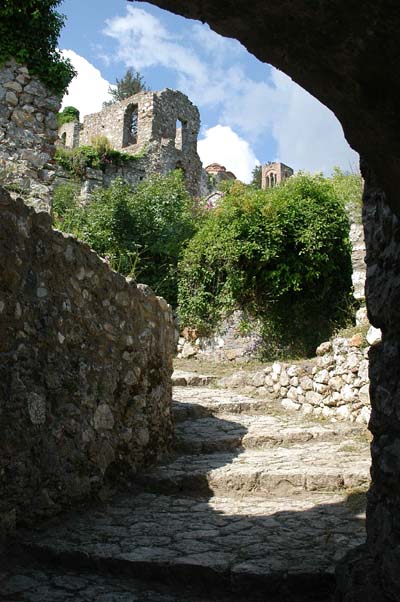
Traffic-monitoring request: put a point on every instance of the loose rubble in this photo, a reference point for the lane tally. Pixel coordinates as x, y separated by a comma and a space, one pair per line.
335, 385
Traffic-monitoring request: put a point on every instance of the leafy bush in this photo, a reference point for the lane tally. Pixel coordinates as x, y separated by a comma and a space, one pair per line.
65, 199
29, 32
282, 254
348, 187
101, 145
141, 233
76, 160
67, 115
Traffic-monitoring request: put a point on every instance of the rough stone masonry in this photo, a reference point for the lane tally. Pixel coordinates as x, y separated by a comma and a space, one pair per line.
85, 366
28, 130
161, 128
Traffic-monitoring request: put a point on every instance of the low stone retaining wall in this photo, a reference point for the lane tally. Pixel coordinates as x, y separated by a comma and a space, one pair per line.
229, 343
85, 367
334, 385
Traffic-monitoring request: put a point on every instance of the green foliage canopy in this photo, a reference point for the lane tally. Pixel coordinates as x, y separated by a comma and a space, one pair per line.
131, 83
256, 176
282, 254
348, 187
97, 156
67, 115
142, 233
29, 31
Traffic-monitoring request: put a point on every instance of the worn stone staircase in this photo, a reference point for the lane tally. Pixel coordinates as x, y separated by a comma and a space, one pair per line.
255, 502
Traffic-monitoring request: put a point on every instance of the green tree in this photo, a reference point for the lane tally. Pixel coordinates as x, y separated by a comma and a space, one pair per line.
142, 233
349, 186
256, 177
67, 115
131, 83
282, 254
29, 33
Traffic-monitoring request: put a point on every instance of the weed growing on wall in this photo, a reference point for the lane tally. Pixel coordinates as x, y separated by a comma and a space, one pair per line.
282, 254
29, 33
96, 156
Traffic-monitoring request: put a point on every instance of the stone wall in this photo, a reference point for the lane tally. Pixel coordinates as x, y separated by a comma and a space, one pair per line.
228, 343
335, 385
358, 260
85, 366
164, 145
28, 130
372, 572
69, 133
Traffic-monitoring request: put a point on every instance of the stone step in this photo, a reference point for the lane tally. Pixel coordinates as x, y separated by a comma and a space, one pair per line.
192, 379
193, 403
285, 548
317, 466
39, 582
230, 431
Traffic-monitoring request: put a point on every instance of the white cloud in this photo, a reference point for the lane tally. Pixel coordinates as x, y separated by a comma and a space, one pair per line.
307, 133
142, 41
208, 69
222, 145
88, 90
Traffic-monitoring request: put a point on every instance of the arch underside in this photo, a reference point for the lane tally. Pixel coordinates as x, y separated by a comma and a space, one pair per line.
346, 53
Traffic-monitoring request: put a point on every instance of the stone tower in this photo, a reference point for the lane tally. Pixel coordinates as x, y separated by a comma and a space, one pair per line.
273, 174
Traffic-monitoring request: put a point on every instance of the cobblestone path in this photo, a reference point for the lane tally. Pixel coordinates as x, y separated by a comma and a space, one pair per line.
255, 502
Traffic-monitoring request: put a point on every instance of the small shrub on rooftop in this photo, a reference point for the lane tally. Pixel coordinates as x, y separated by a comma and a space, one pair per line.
67, 115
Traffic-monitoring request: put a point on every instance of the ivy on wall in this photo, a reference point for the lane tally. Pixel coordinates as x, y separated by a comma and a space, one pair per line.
29, 31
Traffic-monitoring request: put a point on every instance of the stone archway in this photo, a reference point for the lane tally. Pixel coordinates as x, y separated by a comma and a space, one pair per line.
346, 54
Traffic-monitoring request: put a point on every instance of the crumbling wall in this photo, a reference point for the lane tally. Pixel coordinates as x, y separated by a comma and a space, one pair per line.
85, 365
69, 133
163, 146
237, 338
28, 130
110, 122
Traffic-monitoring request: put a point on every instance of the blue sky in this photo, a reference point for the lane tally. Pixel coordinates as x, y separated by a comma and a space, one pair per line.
250, 112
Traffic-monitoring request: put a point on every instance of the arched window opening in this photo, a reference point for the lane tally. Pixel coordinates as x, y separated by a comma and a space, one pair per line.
130, 134
178, 134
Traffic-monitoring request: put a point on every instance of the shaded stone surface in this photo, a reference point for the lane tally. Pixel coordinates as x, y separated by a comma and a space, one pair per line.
269, 521
38, 583
85, 366
373, 572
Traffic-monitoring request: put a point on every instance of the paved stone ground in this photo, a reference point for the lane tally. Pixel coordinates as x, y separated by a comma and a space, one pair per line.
254, 501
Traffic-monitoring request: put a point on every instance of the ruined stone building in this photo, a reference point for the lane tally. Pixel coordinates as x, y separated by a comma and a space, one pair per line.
162, 127
212, 175
219, 172
273, 174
